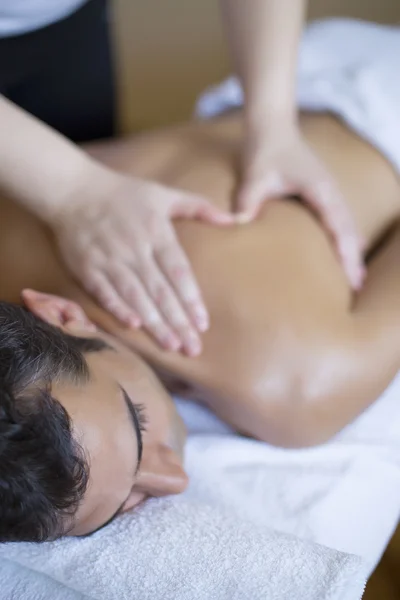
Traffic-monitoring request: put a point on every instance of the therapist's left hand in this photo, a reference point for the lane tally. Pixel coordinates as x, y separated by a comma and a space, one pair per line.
116, 235
279, 162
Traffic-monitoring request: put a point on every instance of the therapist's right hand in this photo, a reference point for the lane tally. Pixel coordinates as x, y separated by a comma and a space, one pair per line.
279, 162
116, 236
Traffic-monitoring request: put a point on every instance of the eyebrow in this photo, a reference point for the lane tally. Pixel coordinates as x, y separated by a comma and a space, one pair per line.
134, 418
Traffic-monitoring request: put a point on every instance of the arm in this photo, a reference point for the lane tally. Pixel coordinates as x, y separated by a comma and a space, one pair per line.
38, 166
114, 232
264, 39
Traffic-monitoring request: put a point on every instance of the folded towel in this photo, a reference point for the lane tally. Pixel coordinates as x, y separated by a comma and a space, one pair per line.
188, 551
20, 583
347, 67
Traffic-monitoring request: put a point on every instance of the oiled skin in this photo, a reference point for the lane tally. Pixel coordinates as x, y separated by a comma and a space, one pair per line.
291, 356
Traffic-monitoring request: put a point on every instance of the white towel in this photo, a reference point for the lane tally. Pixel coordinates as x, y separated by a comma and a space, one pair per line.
186, 550
248, 526
348, 67
20, 583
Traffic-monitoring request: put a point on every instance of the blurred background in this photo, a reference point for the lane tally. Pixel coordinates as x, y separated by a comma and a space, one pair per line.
167, 52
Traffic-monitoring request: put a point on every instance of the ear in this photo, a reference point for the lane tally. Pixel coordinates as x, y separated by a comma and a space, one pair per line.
57, 311
161, 472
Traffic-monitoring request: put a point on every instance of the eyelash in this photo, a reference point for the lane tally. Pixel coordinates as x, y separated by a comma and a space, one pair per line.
141, 417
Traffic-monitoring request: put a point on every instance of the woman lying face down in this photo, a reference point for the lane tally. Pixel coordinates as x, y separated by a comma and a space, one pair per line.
290, 358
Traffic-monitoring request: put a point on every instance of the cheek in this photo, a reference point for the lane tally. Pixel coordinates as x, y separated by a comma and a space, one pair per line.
162, 413
177, 435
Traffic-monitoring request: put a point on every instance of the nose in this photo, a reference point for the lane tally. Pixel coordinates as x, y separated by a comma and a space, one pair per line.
161, 473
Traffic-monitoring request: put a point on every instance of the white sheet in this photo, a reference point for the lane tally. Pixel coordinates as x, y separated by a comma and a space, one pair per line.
344, 494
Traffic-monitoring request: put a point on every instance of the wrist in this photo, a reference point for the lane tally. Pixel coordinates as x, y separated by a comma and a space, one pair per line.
270, 125
84, 191
270, 116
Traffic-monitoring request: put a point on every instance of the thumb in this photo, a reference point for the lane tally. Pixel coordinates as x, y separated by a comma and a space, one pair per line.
197, 207
248, 202
254, 193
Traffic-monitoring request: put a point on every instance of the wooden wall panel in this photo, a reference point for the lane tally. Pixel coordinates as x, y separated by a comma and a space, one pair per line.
169, 50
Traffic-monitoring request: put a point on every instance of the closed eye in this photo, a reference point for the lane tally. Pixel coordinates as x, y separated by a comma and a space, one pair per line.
139, 421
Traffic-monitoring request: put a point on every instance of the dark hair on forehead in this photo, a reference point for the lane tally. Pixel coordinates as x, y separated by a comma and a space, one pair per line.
43, 470
39, 351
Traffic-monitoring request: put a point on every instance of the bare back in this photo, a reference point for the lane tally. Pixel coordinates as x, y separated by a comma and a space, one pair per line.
284, 324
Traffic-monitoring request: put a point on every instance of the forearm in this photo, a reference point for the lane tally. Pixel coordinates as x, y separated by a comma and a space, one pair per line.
38, 166
264, 38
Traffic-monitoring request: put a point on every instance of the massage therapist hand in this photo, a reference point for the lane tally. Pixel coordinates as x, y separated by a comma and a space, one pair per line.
114, 232
264, 38
279, 162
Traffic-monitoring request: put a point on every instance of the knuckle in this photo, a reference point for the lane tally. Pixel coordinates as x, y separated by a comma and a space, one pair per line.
113, 307
174, 312
152, 320
180, 322
108, 301
179, 271
129, 290
87, 266
130, 295
161, 295
95, 286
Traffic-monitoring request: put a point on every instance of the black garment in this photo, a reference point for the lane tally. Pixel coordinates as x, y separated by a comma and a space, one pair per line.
63, 73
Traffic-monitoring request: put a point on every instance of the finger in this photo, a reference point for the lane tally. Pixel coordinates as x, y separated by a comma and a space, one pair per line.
337, 219
164, 297
104, 291
176, 267
128, 284
197, 207
253, 195
248, 205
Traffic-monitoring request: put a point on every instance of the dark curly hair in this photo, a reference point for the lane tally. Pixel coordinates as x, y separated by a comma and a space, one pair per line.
43, 470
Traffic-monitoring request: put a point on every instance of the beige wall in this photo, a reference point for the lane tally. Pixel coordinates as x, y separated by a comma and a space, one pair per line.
168, 50
385, 11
